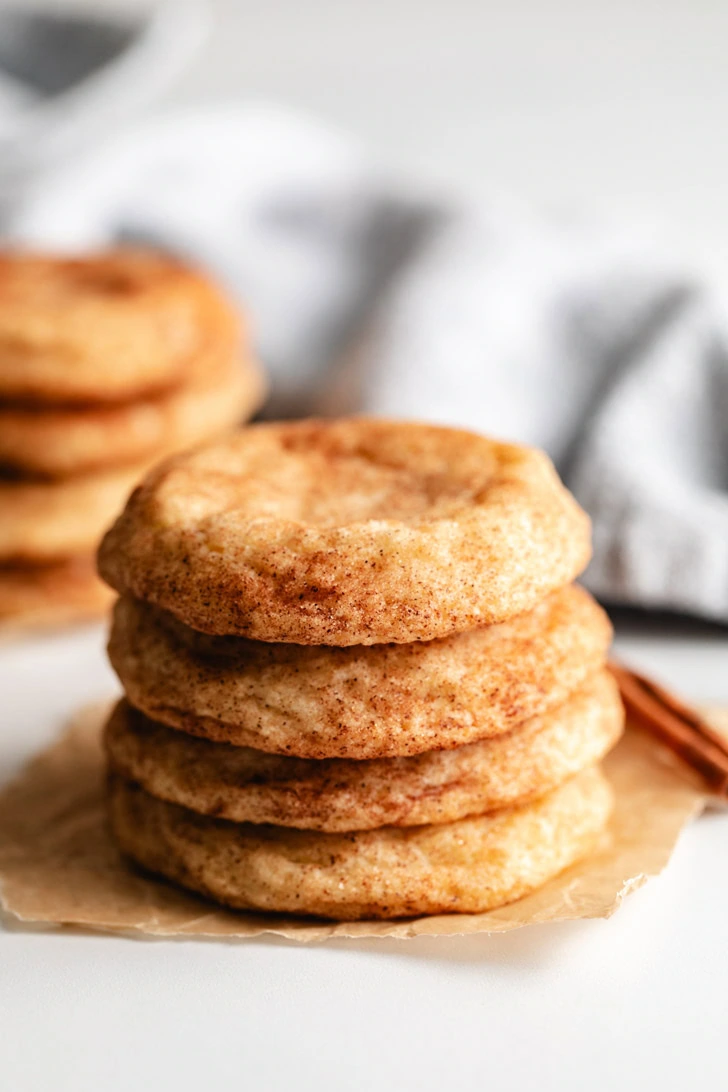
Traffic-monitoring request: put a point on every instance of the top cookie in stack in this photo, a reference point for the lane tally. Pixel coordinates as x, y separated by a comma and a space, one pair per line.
358, 682
355, 532
107, 363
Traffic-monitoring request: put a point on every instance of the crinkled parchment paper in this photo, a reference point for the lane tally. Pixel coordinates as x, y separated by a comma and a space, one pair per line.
58, 865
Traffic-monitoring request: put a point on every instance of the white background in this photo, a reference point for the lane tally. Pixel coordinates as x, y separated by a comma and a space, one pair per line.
609, 106
618, 108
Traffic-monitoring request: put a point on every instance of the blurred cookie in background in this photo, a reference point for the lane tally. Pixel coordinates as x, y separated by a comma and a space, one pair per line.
59, 442
42, 596
108, 363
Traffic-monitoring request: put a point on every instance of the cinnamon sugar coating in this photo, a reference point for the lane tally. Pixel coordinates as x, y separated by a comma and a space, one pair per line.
245, 785
221, 391
356, 531
105, 327
468, 866
363, 701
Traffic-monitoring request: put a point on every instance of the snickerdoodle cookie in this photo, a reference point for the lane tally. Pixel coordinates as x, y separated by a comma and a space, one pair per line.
103, 327
357, 531
60, 441
54, 594
245, 785
48, 520
108, 362
358, 702
468, 866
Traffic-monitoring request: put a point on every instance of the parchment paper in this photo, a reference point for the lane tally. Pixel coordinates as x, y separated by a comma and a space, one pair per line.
58, 865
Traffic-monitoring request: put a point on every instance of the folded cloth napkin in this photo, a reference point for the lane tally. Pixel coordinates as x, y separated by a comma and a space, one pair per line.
375, 293
68, 75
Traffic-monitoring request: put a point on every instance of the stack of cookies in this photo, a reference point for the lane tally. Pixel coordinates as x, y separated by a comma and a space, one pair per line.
359, 682
107, 363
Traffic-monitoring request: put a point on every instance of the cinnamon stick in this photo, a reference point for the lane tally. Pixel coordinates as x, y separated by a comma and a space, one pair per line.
676, 725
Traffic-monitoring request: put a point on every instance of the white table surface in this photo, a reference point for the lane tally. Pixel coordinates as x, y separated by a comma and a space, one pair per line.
635, 1002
